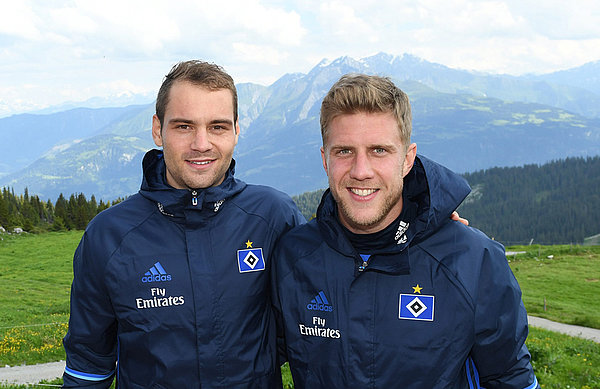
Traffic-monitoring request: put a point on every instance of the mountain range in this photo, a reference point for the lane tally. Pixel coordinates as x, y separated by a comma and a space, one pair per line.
465, 120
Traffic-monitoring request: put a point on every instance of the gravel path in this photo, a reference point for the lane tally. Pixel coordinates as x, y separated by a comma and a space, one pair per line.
580, 332
31, 374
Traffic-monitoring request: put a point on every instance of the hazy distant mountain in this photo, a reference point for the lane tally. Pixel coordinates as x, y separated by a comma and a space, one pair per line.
107, 165
467, 121
586, 76
574, 92
118, 100
26, 137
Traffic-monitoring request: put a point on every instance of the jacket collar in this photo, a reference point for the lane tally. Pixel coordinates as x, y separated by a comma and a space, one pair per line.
173, 202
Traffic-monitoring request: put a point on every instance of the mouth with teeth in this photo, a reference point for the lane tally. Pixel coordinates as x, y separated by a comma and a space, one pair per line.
362, 193
199, 163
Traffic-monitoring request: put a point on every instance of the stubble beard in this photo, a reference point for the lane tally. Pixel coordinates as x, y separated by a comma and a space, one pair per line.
208, 179
194, 180
348, 213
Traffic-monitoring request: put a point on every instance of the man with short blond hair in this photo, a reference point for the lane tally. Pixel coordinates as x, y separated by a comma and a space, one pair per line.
382, 289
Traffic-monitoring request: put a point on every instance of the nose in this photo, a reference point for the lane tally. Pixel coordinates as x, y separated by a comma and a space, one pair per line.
201, 140
361, 167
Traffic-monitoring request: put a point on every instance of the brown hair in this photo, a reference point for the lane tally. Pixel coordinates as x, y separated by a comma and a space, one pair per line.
354, 93
204, 74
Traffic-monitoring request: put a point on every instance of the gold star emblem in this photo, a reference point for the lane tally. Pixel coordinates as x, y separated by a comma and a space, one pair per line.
417, 289
248, 244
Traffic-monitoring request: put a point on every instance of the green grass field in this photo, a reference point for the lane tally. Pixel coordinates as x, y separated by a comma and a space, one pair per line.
35, 278
36, 273
567, 277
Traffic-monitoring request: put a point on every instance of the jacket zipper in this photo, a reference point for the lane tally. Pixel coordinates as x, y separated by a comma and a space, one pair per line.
194, 198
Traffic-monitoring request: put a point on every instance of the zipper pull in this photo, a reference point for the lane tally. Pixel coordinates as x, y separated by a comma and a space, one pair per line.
194, 198
365, 259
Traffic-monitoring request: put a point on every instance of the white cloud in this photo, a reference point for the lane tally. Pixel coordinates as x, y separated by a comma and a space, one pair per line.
258, 54
560, 20
78, 48
269, 23
72, 21
340, 21
18, 19
129, 27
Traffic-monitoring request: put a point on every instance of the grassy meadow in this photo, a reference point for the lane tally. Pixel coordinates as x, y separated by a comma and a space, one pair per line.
35, 278
36, 273
566, 277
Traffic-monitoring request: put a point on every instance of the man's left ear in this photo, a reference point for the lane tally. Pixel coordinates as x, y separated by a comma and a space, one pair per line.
409, 159
237, 132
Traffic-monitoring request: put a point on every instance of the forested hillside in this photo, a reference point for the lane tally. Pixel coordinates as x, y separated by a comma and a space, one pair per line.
558, 202
31, 214
308, 202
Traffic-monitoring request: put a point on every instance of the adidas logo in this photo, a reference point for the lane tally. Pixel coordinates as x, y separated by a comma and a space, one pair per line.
319, 303
400, 233
156, 274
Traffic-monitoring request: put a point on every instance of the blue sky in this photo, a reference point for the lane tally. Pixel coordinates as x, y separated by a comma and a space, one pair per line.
71, 50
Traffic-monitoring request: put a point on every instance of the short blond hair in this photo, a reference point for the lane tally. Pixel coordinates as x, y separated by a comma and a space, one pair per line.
354, 93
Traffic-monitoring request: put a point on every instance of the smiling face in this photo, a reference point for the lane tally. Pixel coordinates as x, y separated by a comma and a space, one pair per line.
366, 162
198, 135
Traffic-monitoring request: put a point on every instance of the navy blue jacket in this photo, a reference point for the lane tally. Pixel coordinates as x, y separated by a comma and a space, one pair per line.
435, 306
174, 286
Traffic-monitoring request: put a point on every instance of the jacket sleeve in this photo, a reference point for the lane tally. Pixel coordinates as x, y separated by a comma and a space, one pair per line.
90, 343
499, 353
292, 216
276, 307
294, 219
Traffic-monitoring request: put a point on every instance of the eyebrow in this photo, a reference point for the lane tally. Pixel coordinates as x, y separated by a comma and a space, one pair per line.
371, 146
340, 146
221, 121
189, 121
181, 120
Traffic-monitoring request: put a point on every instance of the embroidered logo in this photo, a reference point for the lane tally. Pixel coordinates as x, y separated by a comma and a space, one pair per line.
158, 299
161, 208
156, 274
317, 329
250, 259
416, 307
319, 303
218, 205
400, 237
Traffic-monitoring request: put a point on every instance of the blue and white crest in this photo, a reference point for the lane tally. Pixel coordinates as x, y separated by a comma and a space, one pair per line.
250, 260
416, 307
